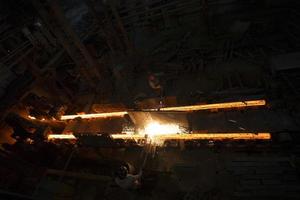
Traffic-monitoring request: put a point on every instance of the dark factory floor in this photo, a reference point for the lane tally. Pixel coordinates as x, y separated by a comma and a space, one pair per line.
213, 171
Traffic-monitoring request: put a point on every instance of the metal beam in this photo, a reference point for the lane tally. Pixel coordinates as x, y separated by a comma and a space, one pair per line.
54, 18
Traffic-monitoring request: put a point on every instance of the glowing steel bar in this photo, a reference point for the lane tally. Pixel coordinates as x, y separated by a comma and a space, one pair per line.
238, 104
201, 136
126, 137
61, 136
217, 136
194, 136
95, 115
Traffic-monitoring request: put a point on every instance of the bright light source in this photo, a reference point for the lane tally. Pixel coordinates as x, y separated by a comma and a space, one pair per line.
31, 117
155, 128
127, 137
61, 136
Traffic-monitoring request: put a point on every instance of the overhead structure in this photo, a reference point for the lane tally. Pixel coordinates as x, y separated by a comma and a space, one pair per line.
52, 14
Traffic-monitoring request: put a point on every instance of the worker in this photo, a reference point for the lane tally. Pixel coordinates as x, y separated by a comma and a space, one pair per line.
126, 180
155, 84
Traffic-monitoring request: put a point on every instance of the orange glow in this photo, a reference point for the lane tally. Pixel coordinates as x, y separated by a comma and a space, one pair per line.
154, 129
95, 115
237, 104
227, 105
80, 113
127, 137
201, 136
218, 136
31, 117
185, 136
61, 136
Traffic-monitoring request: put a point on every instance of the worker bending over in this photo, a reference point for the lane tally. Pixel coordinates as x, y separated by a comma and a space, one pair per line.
126, 180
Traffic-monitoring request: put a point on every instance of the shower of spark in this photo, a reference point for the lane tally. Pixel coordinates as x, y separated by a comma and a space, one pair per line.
154, 129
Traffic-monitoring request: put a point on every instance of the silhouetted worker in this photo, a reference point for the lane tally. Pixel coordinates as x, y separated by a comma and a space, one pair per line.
126, 180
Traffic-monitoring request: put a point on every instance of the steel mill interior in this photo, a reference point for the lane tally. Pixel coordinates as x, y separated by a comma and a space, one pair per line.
150, 99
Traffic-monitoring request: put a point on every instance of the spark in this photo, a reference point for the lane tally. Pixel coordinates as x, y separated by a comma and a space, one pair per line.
153, 129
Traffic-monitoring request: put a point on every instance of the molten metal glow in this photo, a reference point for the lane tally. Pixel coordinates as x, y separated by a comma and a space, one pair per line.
128, 137
153, 129
227, 105
184, 136
95, 115
31, 117
218, 136
201, 136
61, 136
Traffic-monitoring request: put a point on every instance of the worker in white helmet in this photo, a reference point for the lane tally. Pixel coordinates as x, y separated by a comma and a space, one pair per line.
126, 180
